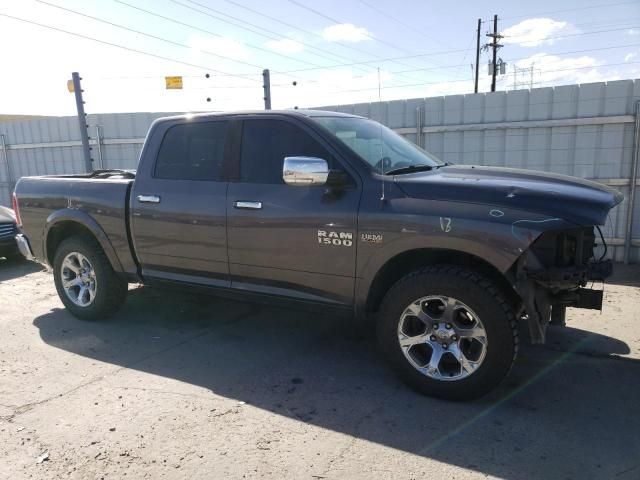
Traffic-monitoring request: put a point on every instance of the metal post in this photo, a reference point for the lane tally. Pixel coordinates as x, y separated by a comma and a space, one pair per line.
632, 189
267, 88
477, 54
82, 122
419, 127
5, 155
99, 147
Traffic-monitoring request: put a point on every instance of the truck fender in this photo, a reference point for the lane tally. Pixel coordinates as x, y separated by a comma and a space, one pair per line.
499, 259
88, 222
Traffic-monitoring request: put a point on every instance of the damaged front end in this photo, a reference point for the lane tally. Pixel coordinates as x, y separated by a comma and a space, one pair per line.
553, 273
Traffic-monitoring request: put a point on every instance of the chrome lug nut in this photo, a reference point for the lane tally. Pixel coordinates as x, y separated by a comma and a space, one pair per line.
432, 338
445, 346
454, 338
435, 326
448, 326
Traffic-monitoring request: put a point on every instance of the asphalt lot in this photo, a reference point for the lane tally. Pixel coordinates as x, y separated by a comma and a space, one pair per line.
186, 386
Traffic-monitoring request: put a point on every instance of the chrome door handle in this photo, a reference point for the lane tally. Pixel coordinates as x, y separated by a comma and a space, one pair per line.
148, 198
248, 205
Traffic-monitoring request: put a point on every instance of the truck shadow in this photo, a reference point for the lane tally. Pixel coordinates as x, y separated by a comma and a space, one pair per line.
15, 267
562, 413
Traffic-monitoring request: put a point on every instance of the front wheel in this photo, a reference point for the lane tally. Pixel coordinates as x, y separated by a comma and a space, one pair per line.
448, 332
85, 281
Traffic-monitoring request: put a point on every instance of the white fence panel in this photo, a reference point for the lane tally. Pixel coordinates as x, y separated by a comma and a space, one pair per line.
582, 130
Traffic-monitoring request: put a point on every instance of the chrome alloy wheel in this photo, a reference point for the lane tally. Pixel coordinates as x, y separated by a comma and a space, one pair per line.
78, 279
442, 338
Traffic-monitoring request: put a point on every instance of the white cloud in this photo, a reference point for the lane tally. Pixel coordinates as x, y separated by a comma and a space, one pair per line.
345, 32
630, 56
286, 45
224, 46
633, 31
535, 31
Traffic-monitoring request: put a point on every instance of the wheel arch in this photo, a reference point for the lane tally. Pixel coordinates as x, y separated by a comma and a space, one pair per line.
63, 224
409, 261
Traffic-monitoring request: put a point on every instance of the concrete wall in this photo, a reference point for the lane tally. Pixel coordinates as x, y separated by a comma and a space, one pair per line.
582, 130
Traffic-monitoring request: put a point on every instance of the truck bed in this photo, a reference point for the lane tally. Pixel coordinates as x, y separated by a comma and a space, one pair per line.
99, 200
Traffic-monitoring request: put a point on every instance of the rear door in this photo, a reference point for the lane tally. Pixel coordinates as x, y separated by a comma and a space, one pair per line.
178, 204
297, 241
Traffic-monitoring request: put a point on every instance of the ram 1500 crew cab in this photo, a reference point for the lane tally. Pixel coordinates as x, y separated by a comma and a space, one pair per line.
332, 210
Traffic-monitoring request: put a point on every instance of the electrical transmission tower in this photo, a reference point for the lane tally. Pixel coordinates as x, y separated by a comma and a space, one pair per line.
523, 76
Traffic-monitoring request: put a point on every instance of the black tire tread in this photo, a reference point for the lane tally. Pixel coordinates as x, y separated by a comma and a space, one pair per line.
114, 288
489, 287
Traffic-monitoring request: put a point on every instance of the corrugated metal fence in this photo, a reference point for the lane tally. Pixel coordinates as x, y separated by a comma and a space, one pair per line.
582, 130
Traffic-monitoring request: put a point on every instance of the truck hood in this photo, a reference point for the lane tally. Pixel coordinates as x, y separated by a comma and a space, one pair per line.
573, 199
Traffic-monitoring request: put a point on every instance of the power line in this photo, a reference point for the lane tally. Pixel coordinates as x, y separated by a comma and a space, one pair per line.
335, 20
368, 62
241, 23
282, 22
209, 32
604, 23
467, 80
270, 34
512, 60
612, 47
155, 37
542, 39
308, 32
455, 51
608, 5
398, 21
133, 50
186, 46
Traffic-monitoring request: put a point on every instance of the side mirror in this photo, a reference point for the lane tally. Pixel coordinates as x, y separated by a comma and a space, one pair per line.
301, 171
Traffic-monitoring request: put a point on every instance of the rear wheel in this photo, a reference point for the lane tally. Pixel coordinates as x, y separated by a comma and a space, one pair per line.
85, 281
448, 332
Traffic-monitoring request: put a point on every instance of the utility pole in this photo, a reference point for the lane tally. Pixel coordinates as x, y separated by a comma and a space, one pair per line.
495, 51
82, 122
477, 54
267, 88
494, 46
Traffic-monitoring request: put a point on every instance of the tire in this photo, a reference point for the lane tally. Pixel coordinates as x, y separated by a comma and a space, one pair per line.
109, 289
437, 294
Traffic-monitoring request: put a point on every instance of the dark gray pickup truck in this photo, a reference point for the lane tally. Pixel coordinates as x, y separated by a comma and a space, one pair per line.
336, 211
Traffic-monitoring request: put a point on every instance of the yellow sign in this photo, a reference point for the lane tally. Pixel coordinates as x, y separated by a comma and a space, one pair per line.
173, 83
70, 86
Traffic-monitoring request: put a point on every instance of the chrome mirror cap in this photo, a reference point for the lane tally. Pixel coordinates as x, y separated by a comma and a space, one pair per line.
299, 171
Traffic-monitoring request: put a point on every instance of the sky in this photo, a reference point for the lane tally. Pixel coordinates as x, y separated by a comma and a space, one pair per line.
319, 53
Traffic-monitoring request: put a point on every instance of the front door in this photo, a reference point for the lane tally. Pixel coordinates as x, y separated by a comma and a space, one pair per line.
297, 241
178, 206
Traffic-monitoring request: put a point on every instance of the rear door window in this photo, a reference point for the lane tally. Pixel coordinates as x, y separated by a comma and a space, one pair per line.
192, 151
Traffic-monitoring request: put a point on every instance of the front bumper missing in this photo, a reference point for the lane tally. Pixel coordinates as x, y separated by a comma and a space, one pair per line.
543, 289
24, 247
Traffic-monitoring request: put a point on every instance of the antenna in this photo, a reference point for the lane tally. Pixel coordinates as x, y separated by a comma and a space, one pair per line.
382, 198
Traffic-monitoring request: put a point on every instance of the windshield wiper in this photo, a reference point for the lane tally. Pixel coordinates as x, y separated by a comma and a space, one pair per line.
410, 169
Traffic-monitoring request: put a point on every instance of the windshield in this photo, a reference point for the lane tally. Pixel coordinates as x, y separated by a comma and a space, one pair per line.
382, 148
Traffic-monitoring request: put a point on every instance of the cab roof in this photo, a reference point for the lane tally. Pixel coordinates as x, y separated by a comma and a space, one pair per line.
291, 113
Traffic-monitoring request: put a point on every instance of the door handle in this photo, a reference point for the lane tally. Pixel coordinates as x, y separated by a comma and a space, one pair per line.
248, 205
148, 198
